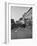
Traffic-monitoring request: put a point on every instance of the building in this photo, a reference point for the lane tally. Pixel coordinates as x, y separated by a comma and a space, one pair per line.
26, 17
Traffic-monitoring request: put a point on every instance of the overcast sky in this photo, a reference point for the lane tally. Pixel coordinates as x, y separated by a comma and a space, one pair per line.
17, 12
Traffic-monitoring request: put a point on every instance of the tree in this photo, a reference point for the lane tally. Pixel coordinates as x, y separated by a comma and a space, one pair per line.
12, 21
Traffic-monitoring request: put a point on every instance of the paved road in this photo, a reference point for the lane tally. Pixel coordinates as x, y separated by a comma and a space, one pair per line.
21, 33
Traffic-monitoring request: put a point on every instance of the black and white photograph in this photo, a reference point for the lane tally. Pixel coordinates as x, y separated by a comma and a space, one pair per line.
21, 22
18, 22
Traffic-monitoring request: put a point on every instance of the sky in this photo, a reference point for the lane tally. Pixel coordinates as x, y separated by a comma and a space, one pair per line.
17, 12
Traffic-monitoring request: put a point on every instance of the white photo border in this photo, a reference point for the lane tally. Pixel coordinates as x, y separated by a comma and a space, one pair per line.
9, 24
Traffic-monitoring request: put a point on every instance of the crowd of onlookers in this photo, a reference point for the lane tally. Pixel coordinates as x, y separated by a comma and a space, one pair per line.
16, 25
20, 24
